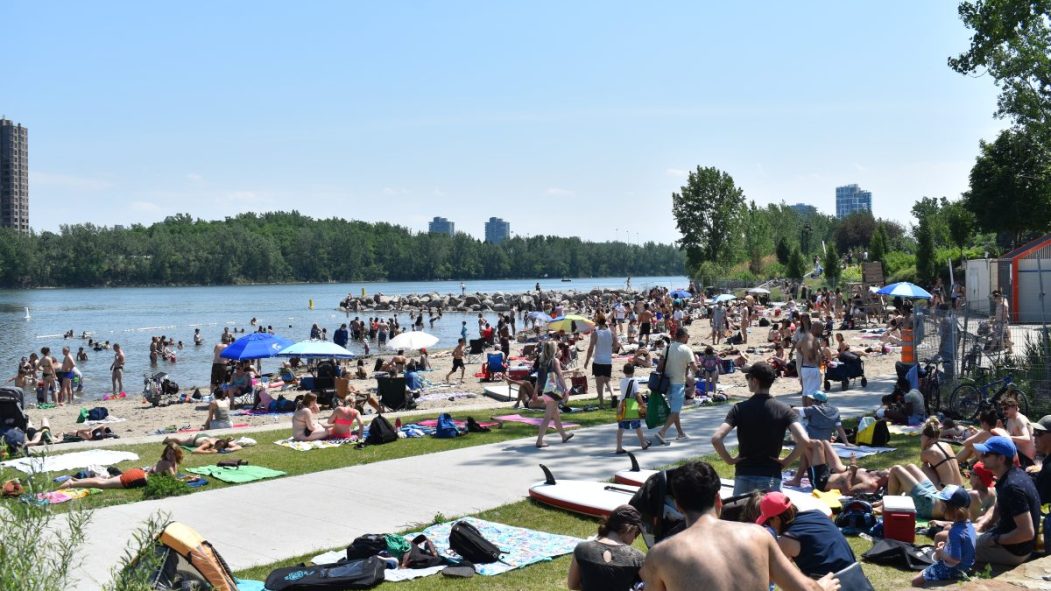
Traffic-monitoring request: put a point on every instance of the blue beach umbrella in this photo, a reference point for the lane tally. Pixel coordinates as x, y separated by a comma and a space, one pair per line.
317, 349
255, 346
681, 294
904, 289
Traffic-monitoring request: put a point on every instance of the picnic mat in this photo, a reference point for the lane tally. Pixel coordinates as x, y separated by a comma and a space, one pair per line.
320, 444
530, 421
60, 496
392, 575
237, 475
105, 421
522, 546
73, 461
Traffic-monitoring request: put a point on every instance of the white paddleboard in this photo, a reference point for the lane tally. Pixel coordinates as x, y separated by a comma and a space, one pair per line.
595, 499
501, 393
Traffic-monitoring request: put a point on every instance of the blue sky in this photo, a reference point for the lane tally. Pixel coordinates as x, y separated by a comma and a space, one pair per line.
569, 118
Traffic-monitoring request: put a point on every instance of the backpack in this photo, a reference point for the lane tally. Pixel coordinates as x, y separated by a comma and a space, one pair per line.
874, 433
98, 413
380, 431
446, 428
352, 574
366, 546
900, 554
474, 427
855, 518
471, 545
420, 554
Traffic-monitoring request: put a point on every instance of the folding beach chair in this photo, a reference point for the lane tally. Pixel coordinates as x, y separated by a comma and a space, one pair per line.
494, 364
477, 347
392, 393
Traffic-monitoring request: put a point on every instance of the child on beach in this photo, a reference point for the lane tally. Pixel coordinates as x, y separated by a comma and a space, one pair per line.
710, 367
630, 410
956, 555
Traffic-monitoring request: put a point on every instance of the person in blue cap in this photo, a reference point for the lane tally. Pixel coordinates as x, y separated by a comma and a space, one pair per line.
1008, 532
955, 555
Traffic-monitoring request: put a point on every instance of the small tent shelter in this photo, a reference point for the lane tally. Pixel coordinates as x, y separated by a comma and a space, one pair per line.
187, 560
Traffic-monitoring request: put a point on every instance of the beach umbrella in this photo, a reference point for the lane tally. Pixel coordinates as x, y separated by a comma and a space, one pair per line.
904, 289
681, 294
759, 291
724, 297
416, 339
571, 322
316, 348
256, 345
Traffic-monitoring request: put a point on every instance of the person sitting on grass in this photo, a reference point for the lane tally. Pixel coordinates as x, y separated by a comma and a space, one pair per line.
305, 425
808, 538
955, 555
822, 423
202, 443
609, 561
939, 459
342, 420
630, 410
989, 421
1008, 532
171, 457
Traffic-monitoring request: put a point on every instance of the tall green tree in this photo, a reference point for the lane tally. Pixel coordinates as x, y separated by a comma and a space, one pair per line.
855, 231
806, 233
708, 212
878, 244
961, 224
796, 267
925, 270
757, 237
783, 251
1011, 187
833, 268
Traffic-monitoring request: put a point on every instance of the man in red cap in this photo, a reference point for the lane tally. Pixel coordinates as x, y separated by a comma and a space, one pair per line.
684, 561
809, 538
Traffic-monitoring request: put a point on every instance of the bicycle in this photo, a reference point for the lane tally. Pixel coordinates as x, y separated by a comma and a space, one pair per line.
970, 398
931, 382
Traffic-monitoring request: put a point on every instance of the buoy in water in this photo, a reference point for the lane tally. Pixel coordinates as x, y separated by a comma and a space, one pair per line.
311, 303
27, 313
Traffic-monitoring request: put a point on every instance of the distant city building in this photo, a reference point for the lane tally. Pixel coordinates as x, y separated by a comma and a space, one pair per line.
497, 230
14, 175
441, 226
850, 199
803, 209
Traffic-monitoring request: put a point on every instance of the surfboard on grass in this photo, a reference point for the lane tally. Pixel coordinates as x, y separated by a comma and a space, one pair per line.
501, 392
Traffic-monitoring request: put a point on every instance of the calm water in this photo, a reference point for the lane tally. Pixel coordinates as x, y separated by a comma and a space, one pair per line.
130, 316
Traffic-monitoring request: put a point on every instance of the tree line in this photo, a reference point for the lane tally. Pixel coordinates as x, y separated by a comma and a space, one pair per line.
290, 247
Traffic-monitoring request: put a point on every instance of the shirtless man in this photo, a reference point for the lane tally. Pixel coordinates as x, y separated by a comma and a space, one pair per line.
117, 370
1020, 429
827, 472
645, 325
682, 561
398, 362
68, 365
808, 352
218, 365
457, 361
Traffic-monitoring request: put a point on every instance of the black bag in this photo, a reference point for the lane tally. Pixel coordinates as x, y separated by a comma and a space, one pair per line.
854, 579
351, 574
380, 431
98, 413
658, 382
366, 546
900, 554
422, 554
468, 542
856, 517
474, 427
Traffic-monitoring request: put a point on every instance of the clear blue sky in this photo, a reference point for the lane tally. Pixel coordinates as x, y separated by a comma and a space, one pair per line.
570, 118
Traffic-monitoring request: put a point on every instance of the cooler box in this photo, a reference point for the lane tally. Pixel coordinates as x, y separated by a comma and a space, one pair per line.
520, 372
899, 518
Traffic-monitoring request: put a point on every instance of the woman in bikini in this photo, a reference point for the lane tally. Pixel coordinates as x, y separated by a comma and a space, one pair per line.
341, 421
939, 458
47, 371
202, 443
133, 477
305, 426
552, 387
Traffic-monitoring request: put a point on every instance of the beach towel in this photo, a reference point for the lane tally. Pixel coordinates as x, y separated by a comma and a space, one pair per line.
521, 546
440, 396
529, 421
255, 412
320, 444
861, 451
459, 424
72, 461
904, 429
63, 496
237, 475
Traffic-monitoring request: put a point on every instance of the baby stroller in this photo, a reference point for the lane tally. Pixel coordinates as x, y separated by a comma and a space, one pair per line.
850, 366
13, 418
159, 389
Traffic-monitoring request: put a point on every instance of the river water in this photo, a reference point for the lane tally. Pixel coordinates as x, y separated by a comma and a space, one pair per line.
130, 316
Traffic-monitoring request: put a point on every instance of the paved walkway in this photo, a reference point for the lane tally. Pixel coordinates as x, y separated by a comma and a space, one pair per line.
264, 522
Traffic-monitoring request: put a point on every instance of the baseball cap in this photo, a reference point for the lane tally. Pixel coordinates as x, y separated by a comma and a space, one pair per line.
997, 445
1044, 424
818, 395
954, 496
771, 505
761, 370
984, 474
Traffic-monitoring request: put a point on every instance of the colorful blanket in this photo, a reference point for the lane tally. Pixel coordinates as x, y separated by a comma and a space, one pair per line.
522, 546
309, 445
72, 461
529, 421
237, 475
60, 496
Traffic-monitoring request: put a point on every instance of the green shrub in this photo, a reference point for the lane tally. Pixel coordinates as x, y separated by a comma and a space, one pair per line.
774, 269
896, 261
851, 274
906, 274
160, 486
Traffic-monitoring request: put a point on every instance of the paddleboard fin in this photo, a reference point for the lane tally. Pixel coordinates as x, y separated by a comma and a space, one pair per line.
634, 463
549, 478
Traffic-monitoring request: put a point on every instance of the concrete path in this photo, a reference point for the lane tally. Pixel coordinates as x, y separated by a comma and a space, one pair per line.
263, 522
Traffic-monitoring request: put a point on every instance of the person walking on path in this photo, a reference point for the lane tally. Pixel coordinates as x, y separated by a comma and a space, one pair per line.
117, 370
601, 346
552, 387
678, 360
761, 422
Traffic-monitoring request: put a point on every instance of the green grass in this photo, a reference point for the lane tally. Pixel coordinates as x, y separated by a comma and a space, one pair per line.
276, 457
552, 575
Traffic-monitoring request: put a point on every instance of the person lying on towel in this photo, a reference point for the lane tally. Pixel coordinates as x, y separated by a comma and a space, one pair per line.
134, 477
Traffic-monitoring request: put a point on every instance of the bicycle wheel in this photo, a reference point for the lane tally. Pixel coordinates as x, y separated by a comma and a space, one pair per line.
964, 401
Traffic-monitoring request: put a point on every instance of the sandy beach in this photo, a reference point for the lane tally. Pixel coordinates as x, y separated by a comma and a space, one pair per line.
142, 419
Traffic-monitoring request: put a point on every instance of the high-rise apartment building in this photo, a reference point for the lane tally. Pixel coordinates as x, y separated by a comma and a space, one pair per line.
441, 226
14, 175
851, 199
497, 230
803, 209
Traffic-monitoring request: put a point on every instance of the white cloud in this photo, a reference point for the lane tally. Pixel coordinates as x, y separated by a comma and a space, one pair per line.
560, 192
677, 173
68, 181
